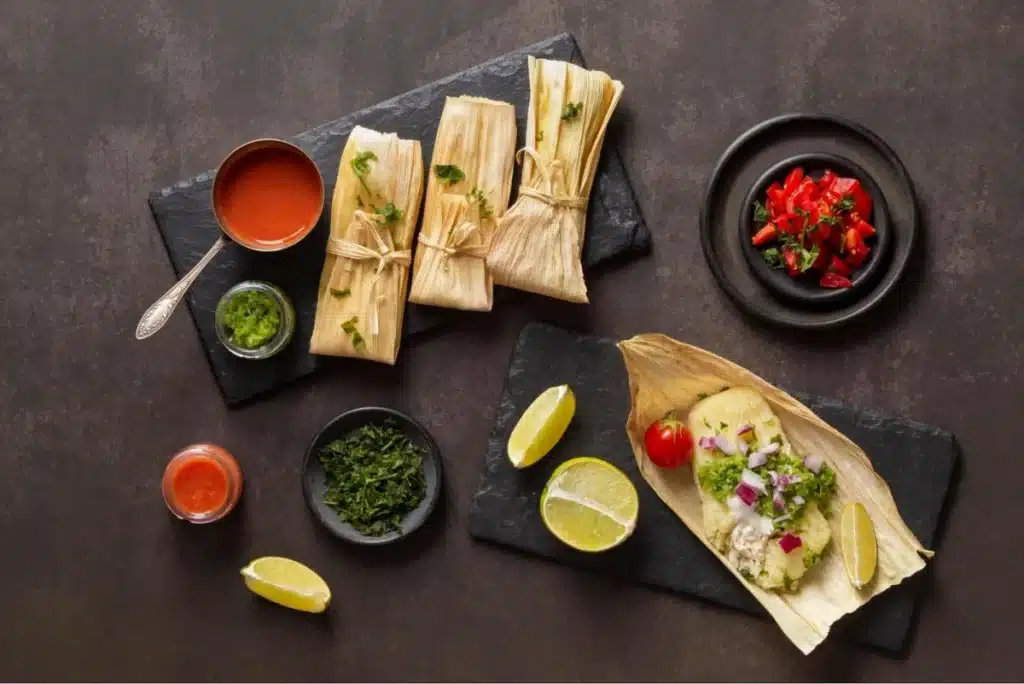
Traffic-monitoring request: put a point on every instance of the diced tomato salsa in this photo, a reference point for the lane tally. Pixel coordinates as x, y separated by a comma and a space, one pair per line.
815, 227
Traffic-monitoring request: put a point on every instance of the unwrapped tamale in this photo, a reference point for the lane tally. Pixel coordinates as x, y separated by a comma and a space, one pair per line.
470, 179
538, 243
361, 301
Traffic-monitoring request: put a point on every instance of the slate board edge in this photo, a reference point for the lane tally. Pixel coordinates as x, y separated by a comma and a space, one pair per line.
915, 599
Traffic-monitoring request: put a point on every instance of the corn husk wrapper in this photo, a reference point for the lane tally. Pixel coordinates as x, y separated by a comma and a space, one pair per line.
665, 374
361, 301
450, 270
538, 244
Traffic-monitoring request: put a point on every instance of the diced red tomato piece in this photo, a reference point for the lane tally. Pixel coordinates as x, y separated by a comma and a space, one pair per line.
839, 267
844, 186
767, 233
865, 229
861, 201
793, 180
776, 200
834, 280
788, 224
792, 261
822, 260
827, 179
858, 257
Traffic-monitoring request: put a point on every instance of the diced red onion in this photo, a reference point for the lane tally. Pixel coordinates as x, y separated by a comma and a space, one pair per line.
814, 463
707, 443
743, 446
753, 480
725, 445
798, 500
766, 525
774, 477
783, 481
746, 493
744, 430
771, 448
789, 542
778, 501
756, 459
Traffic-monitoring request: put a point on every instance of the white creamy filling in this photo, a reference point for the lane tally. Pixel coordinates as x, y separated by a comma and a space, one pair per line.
747, 547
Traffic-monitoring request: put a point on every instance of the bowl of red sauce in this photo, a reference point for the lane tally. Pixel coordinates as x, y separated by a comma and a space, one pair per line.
268, 195
202, 483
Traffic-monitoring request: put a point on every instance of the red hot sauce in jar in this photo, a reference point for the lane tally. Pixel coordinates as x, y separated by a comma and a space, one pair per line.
202, 483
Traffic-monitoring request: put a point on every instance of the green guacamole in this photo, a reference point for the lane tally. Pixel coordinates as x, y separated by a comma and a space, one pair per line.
722, 475
252, 319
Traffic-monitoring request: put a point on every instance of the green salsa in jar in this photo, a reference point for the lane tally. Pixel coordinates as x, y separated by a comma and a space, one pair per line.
254, 320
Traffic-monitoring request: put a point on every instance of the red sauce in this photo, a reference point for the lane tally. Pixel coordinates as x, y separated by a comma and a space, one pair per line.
269, 197
202, 483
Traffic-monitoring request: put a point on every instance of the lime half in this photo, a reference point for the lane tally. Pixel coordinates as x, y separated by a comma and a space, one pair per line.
589, 504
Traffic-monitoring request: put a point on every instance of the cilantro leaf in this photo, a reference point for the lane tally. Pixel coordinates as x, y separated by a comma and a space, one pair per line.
450, 174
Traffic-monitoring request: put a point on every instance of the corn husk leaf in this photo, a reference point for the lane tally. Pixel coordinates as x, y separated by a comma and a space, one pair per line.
353, 295
664, 375
538, 244
478, 136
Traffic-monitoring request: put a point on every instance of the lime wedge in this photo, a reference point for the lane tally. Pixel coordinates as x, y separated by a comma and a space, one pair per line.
288, 583
541, 426
860, 548
589, 504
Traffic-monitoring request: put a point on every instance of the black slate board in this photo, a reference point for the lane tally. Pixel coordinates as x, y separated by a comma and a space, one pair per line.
916, 460
183, 215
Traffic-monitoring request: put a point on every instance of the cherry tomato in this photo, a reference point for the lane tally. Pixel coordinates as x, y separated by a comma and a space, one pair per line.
668, 442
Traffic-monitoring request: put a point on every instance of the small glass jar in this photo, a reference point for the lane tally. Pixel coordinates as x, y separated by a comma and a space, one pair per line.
285, 329
202, 483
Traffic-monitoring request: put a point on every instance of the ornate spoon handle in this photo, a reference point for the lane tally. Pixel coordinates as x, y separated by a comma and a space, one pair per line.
160, 311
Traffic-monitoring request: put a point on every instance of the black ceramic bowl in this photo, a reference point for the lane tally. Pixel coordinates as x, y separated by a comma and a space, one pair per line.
805, 290
314, 478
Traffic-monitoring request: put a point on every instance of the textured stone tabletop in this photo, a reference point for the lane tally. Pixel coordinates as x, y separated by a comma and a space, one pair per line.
104, 101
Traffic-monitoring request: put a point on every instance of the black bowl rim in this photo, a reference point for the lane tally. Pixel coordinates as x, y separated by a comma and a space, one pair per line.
864, 278
708, 247
433, 453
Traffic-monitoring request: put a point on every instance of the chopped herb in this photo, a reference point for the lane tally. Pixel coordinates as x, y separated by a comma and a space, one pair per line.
352, 331
788, 582
845, 204
707, 424
340, 294
391, 214
374, 477
747, 575
361, 162
702, 396
777, 439
761, 214
808, 257
476, 196
811, 559
723, 425
773, 257
721, 475
359, 202
770, 423
724, 388
829, 220
251, 318
540, 136
449, 174
571, 111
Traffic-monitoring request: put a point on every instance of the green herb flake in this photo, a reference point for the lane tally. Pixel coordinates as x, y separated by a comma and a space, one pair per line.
702, 396
747, 575
361, 163
773, 257
374, 477
390, 214
707, 424
722, 475
341, 294
540, 136
449, 174
476, 196
724, 388
761, 214
811, 559
845, 204
808, 257
788, 582
571, 111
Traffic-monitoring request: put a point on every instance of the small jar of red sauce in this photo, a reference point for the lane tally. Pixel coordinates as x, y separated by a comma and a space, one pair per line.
202, 483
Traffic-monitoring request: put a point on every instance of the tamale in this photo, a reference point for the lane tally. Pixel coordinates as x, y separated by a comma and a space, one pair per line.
361, 301
666, 375
468, 189
538, 243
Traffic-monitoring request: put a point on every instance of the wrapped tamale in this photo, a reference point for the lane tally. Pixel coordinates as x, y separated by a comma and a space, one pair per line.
361, 301
468, 188
538, 243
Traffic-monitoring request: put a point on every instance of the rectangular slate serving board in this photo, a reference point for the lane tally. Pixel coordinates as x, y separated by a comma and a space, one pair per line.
186, 223
916, 460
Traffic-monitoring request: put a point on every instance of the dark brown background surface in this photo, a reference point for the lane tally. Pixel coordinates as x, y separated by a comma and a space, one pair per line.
104, 101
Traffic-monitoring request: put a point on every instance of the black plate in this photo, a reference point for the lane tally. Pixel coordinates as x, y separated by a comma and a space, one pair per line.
749, 158
805, 289
314, 479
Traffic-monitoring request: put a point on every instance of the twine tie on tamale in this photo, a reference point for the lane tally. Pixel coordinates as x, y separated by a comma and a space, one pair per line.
456, 242
547, 170
384, 255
